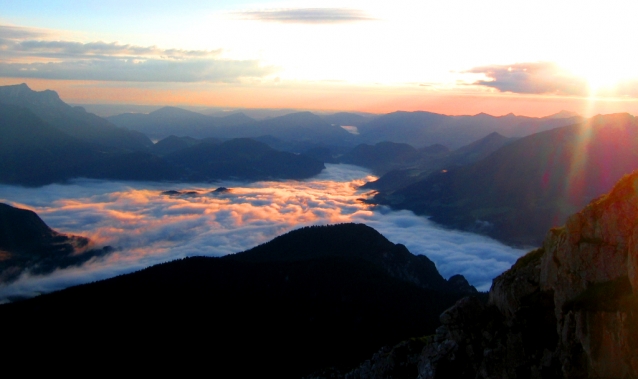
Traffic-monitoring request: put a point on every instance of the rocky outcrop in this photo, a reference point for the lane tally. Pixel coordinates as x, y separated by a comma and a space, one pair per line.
567, 309
28, 244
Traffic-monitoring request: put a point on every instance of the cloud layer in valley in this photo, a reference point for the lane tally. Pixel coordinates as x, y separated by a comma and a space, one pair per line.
148, 227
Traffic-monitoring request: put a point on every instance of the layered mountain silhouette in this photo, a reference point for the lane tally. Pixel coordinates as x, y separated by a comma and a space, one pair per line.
293, 127
425, 128
347, 119
418, 129
313, 298
242, 158
74, 121
519, 191
33, 151
168, 121
28, 244
426, 161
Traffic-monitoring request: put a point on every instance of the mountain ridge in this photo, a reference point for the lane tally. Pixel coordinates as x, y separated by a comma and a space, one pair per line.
271, 312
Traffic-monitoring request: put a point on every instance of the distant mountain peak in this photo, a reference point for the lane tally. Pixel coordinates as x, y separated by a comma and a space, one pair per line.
563, 114
22, 91
174, 111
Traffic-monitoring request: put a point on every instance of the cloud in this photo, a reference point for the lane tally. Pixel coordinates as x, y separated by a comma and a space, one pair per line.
64, 49
147, 227
139, 70
307, 15
532, 78
17, 32
25, 55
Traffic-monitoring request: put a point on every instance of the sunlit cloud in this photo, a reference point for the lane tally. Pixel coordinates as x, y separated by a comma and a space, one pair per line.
148, 227
306, 15
64, 49
531, 78
139, 70
25, 55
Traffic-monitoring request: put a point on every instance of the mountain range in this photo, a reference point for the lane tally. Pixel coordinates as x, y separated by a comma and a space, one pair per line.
74, 121
315, 298
527, 186
43, 141
418, 129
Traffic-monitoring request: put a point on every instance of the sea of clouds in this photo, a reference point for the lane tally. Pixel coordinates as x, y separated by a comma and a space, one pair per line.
148, 227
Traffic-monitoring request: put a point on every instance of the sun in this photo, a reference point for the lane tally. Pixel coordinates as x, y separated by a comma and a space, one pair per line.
603, 76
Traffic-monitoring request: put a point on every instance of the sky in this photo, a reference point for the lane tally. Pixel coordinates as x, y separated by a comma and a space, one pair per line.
148, 227
454, 57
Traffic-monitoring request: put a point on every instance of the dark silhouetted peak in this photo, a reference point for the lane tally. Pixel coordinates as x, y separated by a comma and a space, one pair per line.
27, 243
461, 285
245, 159
21, 229
333, 309
172, 144
21, 94
77, 123
351, 242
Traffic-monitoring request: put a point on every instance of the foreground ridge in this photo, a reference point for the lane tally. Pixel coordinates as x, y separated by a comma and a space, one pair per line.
567, 309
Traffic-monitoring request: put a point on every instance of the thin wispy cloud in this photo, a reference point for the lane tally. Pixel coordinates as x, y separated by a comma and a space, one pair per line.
531, 78
10, 32
306, 15
24, 55
139, 70
148, 227
63, 49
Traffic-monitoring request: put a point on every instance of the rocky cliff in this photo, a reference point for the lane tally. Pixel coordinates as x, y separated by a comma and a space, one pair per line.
28, 244
568, 309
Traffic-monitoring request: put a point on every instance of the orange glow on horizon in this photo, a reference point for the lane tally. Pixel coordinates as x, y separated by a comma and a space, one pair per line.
325, 97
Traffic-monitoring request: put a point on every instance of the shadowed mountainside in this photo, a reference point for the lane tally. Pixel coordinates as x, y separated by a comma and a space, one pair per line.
27, 243
565, 310
526, 187
168, 121
426, 128
74, 121
242, 158
314, 298
428, 160
293, 127
34, 153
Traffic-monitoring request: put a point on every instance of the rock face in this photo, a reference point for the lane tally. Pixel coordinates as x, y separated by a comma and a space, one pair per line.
567, 309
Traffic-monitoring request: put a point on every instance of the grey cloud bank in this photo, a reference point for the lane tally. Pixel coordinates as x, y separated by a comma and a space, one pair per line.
24, 56
148, 227
532, 78
306, 15
134, 70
